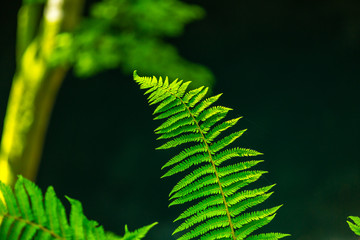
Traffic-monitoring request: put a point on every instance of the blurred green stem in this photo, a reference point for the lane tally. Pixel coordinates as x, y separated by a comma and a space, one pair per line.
35, 86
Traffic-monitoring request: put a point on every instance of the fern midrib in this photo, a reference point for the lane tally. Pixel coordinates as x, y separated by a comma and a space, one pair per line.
213, 164
216, 174
35, 225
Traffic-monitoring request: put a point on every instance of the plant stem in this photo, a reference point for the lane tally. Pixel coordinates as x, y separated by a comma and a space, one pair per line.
34, 89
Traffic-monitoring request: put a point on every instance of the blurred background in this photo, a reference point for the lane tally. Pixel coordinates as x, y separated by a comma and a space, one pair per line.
290, 68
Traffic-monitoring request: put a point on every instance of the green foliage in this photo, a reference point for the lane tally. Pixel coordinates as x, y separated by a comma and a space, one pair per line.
128, 34
355, 227
216, 183
28, 215
136, 235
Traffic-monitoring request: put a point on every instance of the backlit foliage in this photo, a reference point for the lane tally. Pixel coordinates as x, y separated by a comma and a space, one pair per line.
129, 34
354, 224
28, 215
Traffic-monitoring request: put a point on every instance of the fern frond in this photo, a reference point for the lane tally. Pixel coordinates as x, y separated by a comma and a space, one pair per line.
214, 184
26, 215
355, 225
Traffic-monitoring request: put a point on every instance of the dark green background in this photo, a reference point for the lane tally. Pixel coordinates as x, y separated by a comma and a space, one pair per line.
291, 68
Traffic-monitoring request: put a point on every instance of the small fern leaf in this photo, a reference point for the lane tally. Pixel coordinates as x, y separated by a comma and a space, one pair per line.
217, 146
211, 116
234, 152
174, 119
211, 135
197, 97
10, 201
171, 112
200, 206
29, 233
240, 177
65, 229
189, 162
189, 95
137, 234
203, 192
202, 229
355, 225
175, 126
214, 184
237, 167
5, 227
240, 207
221, 233
267, 236
233, 189
51, 210
186, 138
215, 118
246, 194
185, 153
246, 218
199, 184
23, 201
252, 226
36, 199
204, 104
167, 104
207, 213
188, 179
76, 218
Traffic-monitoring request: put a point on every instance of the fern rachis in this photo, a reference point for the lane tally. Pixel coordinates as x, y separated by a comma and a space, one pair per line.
214, 182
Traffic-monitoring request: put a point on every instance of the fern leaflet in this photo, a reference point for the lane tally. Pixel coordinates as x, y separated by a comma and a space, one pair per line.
214, 183
355, 225
136, 235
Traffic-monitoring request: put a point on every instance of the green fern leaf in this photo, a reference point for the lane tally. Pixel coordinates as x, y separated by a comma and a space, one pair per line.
214, 184
355, 225
137, 234
199, 148
51, 210
27, 216
267, 236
